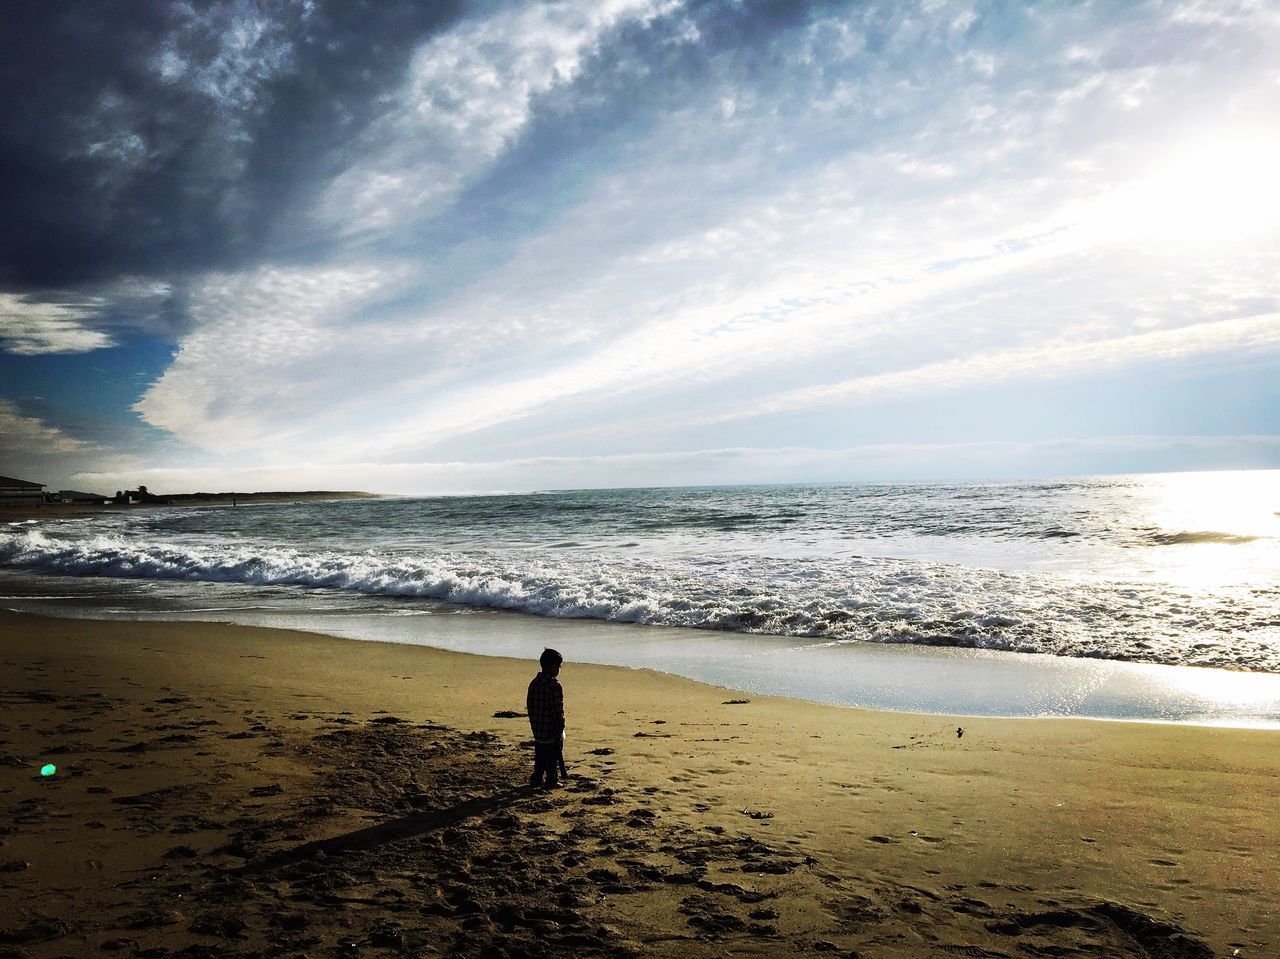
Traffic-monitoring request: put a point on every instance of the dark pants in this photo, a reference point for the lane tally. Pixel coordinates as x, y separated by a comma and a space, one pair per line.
546, 762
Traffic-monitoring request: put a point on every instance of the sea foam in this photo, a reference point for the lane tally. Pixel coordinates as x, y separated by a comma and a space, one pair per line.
860, 598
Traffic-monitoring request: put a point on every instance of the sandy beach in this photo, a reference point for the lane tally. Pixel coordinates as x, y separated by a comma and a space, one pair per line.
233, 791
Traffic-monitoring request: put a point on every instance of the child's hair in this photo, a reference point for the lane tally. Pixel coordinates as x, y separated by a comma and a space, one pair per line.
550, 658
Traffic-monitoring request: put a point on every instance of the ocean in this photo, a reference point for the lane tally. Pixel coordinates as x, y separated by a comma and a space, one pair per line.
1172, 569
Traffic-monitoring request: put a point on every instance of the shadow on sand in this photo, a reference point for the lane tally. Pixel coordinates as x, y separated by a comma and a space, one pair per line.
407, 827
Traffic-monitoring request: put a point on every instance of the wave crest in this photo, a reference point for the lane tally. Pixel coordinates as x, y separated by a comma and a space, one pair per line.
862, 599
1199, 536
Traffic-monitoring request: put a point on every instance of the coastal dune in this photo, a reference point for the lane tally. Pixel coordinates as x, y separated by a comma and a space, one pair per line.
234, 791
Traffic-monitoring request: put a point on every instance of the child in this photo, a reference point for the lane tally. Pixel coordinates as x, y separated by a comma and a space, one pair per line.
545, 705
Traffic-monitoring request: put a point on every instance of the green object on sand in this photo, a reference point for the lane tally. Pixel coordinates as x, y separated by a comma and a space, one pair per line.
48, 769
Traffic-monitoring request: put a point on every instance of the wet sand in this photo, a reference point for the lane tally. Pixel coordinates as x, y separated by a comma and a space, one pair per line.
233, 791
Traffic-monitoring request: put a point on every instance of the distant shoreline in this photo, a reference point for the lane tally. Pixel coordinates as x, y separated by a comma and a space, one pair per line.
68, 510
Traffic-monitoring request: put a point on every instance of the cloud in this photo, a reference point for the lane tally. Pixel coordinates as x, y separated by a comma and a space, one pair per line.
91, 318
34, 450
898, 231
181, 137
388, 234
989, 460
1053, 359
260, 366
468, 95
30, 328
26, 436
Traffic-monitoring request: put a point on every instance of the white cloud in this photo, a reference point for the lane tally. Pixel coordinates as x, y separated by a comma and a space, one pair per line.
31, 328
1047, 360
82, 321
1038, 311
273, 350
470, 92
27, 436
1224, 12
887, 219
672, 284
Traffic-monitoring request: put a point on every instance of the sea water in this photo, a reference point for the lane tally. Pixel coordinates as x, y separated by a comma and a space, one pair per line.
1172, 569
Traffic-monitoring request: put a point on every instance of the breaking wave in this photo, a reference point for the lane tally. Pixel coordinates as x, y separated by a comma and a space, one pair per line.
1203, 536
840, 599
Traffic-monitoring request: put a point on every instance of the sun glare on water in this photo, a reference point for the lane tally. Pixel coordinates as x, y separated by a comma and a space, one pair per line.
1212, 527
1225, 687
1240, 503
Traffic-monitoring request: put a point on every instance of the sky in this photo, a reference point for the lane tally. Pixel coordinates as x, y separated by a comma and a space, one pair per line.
464, 247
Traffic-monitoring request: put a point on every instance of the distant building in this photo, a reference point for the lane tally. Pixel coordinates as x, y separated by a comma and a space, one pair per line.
139, 495
16, 492
79, 496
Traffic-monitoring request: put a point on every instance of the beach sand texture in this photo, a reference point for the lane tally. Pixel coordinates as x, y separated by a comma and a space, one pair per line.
231, 791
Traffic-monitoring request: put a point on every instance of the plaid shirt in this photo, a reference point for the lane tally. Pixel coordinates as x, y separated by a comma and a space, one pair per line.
545, 705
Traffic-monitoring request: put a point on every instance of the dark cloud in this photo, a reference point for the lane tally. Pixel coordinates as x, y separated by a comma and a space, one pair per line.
153, 139
159, 139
